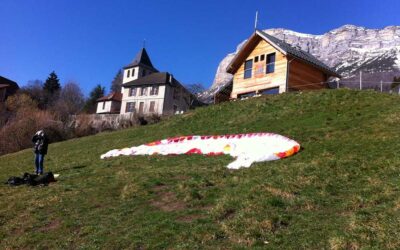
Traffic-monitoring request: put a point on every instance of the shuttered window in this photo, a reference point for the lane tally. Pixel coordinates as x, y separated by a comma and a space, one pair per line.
143, 91
154, 90
132, 91
141, 108
152, 105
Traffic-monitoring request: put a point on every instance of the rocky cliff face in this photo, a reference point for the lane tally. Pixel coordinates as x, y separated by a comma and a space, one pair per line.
348, 49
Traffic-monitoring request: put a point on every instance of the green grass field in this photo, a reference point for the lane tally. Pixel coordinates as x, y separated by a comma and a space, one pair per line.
342, 191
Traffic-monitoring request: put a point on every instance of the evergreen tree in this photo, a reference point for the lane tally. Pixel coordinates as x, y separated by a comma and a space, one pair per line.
116, 83
97, 92
52, 84
51, 89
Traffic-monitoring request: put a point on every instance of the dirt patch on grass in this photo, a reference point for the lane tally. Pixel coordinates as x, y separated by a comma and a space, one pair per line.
190, 218
53, 225
280, 193
166, 200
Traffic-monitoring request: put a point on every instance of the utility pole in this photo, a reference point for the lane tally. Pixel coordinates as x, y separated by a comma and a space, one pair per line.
381, 86
256, 21
360, 80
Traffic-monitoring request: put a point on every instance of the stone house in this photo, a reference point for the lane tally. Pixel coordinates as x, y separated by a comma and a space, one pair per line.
147, 91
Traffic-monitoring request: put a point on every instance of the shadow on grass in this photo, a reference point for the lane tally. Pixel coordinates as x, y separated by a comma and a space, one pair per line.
71, 168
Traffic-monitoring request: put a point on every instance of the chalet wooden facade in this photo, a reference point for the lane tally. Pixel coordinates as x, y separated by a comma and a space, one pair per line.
267, 65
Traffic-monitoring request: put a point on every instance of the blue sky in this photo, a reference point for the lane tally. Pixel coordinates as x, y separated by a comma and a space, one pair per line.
88, 41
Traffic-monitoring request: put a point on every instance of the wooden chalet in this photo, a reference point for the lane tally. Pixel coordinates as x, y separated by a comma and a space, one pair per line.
267, 65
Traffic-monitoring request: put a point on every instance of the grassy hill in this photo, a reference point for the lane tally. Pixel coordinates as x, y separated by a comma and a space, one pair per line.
341, 191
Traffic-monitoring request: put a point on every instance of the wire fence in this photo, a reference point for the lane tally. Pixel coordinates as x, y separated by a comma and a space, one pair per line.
379, 86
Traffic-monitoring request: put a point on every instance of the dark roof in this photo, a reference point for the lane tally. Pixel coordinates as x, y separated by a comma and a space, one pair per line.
286, 49
114, 96
11, 87
141, 59
5, 81
154, 78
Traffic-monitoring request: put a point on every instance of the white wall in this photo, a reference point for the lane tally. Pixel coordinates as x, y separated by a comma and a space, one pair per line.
158, 99
106, 109
131, 77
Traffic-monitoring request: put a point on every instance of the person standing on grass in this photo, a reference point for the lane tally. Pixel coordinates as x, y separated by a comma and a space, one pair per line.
41, 144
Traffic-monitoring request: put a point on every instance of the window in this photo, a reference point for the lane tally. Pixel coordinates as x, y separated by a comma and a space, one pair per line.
130, 107
154, 90
104, 105
248, 67
270, 63
133, 72
143, 91
246, 95
128, 74
141, 108
273, 91
256, 59
152, 104
262, 58
132, 91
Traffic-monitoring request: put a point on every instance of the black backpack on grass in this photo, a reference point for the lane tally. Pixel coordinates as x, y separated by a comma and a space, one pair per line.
32, 179
15, 181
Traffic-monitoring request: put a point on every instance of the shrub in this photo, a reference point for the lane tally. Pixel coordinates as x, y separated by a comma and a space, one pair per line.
17, 133
24, 121
153, 118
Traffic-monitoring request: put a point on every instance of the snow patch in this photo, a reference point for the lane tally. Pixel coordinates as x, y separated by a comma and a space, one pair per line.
397, 61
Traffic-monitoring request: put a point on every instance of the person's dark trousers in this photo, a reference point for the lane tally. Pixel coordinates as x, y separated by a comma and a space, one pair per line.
39, 159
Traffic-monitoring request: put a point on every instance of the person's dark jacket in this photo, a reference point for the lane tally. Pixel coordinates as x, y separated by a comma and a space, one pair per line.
41, 144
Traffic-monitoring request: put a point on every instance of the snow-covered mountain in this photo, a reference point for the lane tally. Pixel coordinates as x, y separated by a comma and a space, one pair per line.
348, 49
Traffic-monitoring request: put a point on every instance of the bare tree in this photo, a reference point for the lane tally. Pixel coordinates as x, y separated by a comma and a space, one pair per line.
71, 100
195, 88
34, 89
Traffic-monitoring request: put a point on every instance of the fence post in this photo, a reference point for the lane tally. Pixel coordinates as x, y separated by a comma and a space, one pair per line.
381, 87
